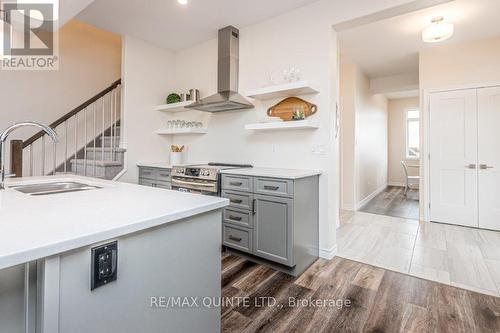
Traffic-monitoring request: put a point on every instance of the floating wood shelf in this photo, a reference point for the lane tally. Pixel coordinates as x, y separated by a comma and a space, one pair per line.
174, 107
283, 125
282, 91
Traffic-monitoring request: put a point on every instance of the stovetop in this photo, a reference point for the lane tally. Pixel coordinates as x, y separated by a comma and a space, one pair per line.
208, 171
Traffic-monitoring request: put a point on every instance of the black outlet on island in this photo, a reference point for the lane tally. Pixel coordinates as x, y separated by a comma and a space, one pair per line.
104, 264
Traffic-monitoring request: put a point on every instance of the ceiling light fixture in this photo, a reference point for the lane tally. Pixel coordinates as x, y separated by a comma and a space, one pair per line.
183, 2
438, 31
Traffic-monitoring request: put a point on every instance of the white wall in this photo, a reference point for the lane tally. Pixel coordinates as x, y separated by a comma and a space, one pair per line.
365, 145
453, 65
148, 75
397, 138
90, 60
348, 137
303, 38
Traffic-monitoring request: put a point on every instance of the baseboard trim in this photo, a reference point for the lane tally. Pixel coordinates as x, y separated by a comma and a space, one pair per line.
398, 184
328, 253
371, 196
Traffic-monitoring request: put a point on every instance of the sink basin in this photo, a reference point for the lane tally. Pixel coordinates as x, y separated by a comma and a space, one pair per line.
53, 188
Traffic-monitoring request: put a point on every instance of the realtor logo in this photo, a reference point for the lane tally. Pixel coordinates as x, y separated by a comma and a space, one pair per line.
29, 35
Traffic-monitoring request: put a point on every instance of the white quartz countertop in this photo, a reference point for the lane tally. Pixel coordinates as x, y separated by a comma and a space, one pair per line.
273, 172
34, 227
158, 165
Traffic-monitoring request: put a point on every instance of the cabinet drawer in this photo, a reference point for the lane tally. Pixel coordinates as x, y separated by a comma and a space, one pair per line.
238, 238
164, 175
239, 199
238, 183
146, 182
238, 217
271, 186
148, 173
164, 185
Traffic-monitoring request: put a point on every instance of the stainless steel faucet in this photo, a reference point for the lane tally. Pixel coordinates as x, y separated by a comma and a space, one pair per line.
3, 138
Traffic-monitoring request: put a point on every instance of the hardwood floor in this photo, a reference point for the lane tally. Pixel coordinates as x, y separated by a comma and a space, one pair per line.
392, 202
380, 301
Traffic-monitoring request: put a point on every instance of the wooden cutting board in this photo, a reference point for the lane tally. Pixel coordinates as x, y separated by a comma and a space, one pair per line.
287, 107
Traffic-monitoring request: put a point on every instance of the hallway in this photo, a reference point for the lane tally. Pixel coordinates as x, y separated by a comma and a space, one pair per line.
392, 202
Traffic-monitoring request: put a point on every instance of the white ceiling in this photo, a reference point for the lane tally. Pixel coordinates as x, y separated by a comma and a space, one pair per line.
174, 26
391, 46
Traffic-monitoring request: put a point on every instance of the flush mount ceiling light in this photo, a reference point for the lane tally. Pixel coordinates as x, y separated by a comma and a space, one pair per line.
438, 31
183, 2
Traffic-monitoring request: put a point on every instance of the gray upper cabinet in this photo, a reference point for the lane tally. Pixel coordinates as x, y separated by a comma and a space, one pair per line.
273, 232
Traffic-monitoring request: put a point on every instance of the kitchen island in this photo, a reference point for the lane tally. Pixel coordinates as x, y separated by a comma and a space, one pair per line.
155, 243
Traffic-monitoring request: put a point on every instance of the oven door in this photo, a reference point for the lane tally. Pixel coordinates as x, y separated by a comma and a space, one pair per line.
193, 185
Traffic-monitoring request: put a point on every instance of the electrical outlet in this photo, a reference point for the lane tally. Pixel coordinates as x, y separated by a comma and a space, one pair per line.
318, 149
104, 265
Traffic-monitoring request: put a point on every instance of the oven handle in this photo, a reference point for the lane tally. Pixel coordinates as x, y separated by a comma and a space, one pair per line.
191, 183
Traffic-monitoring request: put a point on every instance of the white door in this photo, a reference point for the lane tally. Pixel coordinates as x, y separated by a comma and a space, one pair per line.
453, 157
489, 157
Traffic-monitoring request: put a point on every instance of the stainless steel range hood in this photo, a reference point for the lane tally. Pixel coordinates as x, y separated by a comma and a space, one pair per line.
227, 97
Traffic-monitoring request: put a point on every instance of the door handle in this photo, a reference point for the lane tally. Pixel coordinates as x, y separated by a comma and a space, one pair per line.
471, 166
485, 167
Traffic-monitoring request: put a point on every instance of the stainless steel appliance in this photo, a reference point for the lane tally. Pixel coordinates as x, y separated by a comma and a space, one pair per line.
227, 97
201, 179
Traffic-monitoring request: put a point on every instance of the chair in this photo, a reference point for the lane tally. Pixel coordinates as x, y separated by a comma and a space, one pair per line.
410, 180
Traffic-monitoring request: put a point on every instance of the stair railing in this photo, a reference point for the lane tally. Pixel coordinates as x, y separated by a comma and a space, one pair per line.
78, 130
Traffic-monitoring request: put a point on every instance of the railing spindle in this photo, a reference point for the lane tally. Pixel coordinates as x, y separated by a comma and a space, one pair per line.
31, 160
43, 155
94, 136
111, 116
85, 143
76, 143
55, 158
102, 140
65, 146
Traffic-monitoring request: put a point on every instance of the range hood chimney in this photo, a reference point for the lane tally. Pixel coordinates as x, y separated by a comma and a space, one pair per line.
227, 97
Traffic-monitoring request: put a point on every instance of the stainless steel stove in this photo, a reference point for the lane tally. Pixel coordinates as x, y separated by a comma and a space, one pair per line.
202, 178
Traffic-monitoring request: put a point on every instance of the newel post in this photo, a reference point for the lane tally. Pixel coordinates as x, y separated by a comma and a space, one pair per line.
16, 157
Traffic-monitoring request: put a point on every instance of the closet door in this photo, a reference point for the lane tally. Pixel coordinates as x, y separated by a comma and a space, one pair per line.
489, 157
453, 160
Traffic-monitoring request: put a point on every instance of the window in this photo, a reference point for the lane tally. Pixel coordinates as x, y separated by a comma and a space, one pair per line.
413, 134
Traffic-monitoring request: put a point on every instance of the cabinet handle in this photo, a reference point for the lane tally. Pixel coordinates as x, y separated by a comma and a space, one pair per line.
164, 174
235, 183
254, 202
236, 201
236, 239
271, 188
235, 218
471, 166
485, 166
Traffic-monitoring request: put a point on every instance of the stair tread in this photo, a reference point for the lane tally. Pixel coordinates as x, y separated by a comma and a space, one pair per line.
118, 150
104, 163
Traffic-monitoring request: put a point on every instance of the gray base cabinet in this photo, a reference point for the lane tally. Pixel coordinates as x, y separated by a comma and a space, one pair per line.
272, 220
155, 177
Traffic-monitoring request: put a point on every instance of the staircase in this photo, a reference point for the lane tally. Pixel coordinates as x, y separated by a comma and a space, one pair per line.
89, 142
102, 161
